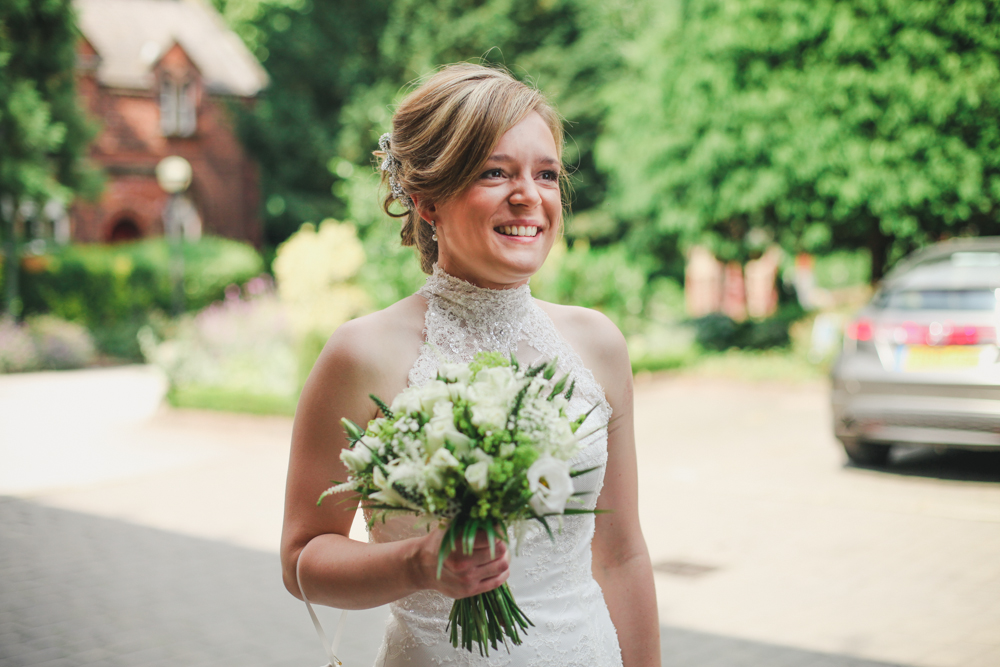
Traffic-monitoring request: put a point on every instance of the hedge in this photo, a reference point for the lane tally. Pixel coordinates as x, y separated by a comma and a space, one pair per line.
113, 289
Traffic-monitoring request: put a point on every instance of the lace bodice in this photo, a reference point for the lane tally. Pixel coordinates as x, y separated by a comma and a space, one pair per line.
552, 583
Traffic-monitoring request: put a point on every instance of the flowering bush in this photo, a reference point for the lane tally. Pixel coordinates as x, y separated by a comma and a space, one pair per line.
44, 343
243, 343
17, 350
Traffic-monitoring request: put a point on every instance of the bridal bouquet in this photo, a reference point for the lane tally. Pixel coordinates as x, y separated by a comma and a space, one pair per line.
483, 447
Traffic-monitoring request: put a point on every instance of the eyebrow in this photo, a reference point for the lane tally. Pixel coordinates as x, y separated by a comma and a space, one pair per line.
503, 157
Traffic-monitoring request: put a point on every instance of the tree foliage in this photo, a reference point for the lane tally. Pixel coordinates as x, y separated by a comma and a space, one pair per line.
337, 67
43, 133
821, 124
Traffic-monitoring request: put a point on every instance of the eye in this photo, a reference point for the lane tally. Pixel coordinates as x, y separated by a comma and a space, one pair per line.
549, 175
493, 173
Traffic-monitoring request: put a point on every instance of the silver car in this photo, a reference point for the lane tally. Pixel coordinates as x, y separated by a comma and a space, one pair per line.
921, 363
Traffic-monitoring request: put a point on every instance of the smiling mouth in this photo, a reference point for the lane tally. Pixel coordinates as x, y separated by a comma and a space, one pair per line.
519, 230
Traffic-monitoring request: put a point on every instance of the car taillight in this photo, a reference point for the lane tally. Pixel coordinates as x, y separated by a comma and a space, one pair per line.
860, 330
937, 333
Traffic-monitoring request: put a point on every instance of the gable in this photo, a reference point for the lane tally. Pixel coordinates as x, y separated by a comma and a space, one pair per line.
132, 36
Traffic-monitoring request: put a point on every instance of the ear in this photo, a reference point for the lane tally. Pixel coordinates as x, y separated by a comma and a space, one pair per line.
425, 208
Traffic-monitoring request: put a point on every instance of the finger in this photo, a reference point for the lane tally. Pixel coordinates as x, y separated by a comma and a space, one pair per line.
490, 583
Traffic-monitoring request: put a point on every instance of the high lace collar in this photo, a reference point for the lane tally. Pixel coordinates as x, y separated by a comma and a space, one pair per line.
477, 306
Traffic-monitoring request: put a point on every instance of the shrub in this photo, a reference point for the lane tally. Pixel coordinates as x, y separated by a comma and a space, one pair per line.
60, 345
241, 346
113, 289
314, 269
17, 350
44, 343
717, 332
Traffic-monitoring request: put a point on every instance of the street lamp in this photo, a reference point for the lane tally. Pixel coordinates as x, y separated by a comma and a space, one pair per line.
173, 173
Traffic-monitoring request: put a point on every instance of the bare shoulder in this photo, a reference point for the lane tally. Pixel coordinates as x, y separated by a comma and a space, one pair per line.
597, 340
372, 353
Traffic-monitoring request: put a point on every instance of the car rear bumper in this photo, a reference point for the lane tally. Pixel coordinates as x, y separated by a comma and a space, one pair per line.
876, 416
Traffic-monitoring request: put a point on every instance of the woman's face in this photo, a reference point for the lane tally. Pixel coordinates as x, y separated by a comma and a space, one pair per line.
498, 232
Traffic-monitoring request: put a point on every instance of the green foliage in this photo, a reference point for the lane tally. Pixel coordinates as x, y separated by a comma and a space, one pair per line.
843, 268
113, 289
820, 124
320, 56
317, 126
717, 332
43, 133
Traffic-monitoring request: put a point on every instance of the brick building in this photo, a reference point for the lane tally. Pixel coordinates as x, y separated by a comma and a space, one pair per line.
159, 76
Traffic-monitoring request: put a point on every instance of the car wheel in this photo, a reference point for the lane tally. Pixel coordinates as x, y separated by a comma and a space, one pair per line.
865, 453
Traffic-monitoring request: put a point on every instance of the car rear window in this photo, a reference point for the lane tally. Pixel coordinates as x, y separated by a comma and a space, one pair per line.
970, 299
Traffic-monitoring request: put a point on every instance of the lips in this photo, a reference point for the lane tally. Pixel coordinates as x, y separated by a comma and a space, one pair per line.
517, 230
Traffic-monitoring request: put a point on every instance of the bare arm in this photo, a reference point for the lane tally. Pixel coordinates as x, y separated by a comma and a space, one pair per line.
336, 570
621, 562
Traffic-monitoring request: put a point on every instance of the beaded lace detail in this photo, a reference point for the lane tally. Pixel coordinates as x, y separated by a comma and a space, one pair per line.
552, 583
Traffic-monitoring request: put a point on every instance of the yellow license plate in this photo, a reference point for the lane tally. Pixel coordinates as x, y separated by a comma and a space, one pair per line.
942, 357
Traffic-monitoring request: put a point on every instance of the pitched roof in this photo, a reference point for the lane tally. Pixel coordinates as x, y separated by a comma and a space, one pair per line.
132, 35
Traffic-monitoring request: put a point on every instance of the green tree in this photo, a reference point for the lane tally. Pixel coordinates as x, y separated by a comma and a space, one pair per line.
820, 124
337, 67
320, 57
43, 133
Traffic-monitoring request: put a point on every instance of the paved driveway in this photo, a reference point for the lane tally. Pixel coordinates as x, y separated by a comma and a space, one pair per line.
134, 536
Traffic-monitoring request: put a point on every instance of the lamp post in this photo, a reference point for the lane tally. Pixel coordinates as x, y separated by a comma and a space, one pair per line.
174, 176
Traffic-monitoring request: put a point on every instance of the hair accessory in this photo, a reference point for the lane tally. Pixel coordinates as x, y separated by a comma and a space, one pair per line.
391, 165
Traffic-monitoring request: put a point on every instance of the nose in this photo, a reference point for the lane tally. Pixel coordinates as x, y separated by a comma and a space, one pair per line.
525, 193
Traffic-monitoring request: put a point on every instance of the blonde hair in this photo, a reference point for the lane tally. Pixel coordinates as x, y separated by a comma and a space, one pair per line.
444, 132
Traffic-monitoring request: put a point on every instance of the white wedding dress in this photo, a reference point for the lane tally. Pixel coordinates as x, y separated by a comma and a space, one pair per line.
552, 583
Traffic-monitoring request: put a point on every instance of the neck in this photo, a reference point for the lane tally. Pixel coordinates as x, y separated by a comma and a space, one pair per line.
456, 271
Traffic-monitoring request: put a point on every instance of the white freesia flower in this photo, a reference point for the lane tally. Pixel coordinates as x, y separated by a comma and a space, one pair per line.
477, 475
455, 373
550, 485
507, 449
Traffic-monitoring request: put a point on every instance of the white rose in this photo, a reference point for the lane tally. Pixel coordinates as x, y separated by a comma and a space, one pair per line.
487, 411
406, 402
455, 373
550, 485
432, 393
478, 475
496, 383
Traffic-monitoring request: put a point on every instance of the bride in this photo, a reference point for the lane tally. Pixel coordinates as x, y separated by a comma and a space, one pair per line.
473, 167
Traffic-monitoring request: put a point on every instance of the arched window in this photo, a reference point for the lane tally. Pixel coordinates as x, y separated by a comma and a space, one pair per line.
124, 230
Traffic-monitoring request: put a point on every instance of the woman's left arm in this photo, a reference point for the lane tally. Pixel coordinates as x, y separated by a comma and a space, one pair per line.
621, 562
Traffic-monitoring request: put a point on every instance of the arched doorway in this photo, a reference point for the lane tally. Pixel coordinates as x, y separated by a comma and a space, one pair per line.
124, 230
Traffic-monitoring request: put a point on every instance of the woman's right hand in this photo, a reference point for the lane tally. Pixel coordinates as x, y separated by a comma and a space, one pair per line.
462, 575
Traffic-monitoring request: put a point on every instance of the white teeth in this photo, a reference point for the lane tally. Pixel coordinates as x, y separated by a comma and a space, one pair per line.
519, 231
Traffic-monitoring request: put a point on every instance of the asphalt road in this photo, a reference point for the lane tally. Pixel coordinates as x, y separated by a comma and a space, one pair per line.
131, 535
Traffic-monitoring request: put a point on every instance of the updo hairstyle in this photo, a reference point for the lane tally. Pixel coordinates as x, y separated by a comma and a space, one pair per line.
443, 133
